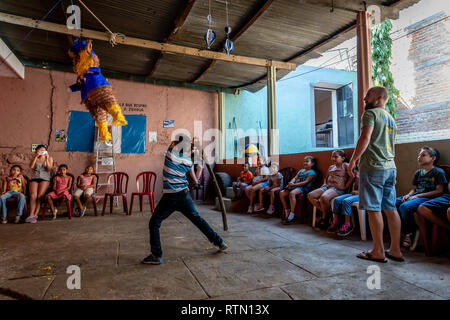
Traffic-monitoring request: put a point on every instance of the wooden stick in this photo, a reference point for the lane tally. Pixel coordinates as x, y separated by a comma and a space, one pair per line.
219, 194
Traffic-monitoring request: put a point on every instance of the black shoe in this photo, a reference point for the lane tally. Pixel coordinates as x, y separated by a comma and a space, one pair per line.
222, 246
323, 224
151, 259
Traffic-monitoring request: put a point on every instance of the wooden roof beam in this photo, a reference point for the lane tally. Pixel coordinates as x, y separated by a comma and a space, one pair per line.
148, 44
236, 35
177, 26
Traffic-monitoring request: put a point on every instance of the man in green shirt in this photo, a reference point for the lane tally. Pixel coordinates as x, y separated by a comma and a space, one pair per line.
376, 150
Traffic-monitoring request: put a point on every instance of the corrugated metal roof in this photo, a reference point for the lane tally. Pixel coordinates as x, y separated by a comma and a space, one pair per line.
284, 30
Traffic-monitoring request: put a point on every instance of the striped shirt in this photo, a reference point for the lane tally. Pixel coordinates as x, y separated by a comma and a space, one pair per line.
176, 166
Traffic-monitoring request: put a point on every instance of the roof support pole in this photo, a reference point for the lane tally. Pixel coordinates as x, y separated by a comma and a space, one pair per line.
272, 136
364, 56
220, 154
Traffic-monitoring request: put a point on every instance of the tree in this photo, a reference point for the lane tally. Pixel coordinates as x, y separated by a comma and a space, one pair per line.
381, 54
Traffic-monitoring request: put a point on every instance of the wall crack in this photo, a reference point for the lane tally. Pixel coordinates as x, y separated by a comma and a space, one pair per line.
51, 108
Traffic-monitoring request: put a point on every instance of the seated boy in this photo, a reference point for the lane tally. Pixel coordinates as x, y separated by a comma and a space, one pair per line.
428, 183
14, 186
245, 178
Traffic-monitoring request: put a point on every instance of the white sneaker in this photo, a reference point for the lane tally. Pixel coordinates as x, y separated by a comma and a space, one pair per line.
250, 210
271, 209
17, 219
83, 211
415, 241
4, 221
55, 213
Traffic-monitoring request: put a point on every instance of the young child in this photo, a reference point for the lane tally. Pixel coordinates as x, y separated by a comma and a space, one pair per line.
428, 183
14, 186
245, 178
336, 183
260, 180
344, 204
275, 184
85, 188
301, 183
61, 187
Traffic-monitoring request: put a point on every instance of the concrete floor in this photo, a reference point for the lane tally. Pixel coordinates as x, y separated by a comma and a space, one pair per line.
266, 260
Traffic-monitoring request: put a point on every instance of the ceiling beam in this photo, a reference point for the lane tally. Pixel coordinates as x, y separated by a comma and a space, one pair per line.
142, 43
236, 35
9, 60
177, 26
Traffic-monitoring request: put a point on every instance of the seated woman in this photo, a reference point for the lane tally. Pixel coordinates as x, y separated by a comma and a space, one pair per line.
41, 164
301, 183
437, 210
275, 184
336, 183
260, 180
61, 187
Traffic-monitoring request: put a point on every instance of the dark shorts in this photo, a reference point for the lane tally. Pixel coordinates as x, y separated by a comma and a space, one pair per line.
38, 180
439, 205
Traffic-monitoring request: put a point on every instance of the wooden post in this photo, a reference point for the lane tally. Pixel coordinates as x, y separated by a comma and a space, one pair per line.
364, 54
219, 195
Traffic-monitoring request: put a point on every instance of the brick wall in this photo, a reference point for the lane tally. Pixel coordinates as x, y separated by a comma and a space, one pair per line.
427, 117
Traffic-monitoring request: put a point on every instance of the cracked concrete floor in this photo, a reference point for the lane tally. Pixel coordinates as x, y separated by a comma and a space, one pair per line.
265, 260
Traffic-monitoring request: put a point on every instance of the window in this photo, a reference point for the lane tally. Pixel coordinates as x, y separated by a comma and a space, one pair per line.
333, 116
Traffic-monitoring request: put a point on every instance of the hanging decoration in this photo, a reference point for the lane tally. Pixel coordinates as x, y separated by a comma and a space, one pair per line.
228, 43
96, 92
210, 34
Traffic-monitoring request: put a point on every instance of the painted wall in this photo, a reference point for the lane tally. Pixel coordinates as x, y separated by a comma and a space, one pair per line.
295, 106
32, 109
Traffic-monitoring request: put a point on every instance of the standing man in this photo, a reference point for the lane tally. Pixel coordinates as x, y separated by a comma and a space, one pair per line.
378, 173
176, 197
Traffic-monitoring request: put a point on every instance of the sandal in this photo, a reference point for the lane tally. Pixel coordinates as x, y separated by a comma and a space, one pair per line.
391, 257
366, 255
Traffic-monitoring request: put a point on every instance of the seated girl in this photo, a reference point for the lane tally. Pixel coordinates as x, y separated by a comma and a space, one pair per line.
61, 187
437, 210
275, 184
260, 180
428, 183
14, 186
301, 183
85, 188
336, 183
343, 204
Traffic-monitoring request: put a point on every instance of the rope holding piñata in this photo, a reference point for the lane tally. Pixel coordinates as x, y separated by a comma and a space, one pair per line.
96, 92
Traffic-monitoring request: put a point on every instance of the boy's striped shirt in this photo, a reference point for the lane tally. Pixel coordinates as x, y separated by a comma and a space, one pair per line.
176, 166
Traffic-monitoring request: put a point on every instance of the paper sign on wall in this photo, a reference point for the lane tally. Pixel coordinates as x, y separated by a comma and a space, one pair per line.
169, 123
152, 137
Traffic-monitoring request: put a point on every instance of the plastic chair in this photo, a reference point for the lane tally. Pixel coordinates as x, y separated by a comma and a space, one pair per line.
118, 190
68, 202
148, 189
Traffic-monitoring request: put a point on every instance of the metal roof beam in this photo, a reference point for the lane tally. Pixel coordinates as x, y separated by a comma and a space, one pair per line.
178, 24
142, 43
235, 36
9, 60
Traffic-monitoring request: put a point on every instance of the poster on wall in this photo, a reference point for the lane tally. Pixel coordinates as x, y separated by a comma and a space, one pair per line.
33, 146
60, 135
152, 137
169, 123
126, 139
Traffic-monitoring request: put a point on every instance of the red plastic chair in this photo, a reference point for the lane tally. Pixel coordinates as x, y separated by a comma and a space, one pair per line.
68, 202
148, 183
118, 191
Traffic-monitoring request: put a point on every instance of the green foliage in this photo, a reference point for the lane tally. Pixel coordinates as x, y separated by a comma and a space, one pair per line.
381, 54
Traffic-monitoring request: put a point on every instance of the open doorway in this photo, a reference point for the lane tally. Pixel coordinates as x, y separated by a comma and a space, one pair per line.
323, 100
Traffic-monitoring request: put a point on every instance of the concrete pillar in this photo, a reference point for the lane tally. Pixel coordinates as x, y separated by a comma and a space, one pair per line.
364, 56
272, 136
221, 126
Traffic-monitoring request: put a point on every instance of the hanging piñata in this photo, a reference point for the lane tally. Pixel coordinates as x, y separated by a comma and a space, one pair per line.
96, 92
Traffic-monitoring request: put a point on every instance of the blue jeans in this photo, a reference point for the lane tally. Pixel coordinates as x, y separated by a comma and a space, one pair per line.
344, 203
239, 191
406, 210
20, 202
180, 201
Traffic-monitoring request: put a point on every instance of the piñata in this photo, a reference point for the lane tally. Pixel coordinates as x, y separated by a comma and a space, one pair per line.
96, 92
